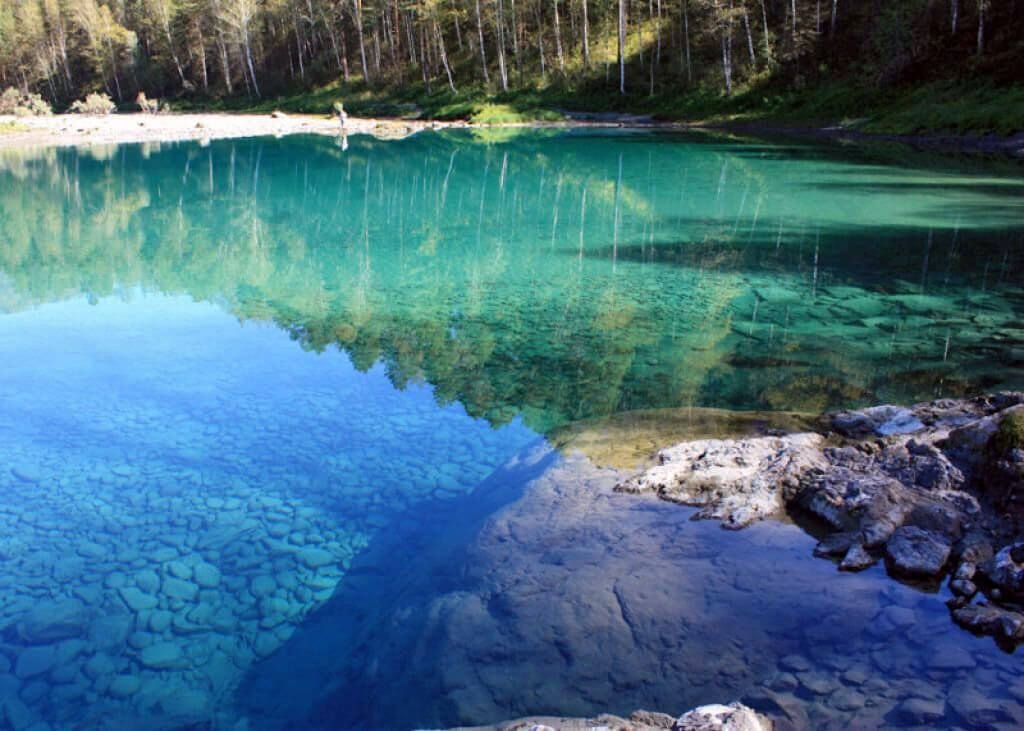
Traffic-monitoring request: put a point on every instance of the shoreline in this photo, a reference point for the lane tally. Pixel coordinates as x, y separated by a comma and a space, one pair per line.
66, 130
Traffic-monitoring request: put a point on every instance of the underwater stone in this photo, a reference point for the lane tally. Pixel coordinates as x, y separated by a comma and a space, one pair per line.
179, 570
915, 552
176, 588
26, 473
34, 661
265, 644
49, 621
163, 656
160, 620
206, 575
314, 557
136, 599
124, 685
148, 581
263, 585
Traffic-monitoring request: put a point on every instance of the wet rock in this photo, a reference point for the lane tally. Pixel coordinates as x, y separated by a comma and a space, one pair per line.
817, 683
846, 699
1006, 572
49, 621
163, 656
33, 661
835, 544
124, 686
179, 589
857, 559
951, 658
987, 619
733, 717
795, 663
914, 552
976, 708
136, 599
919, 711
206, 575
735, 481
314, 558
963, 587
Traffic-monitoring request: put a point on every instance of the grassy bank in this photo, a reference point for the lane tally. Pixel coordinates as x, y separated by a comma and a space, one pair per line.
957, 107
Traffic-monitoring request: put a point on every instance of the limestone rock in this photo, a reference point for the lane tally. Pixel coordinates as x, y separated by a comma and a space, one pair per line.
733, 717
163, 656
735, 481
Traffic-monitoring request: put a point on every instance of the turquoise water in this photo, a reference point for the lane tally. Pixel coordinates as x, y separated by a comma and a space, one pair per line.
258, 396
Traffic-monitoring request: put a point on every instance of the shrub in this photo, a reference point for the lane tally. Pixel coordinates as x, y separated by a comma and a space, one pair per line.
23, 104
149, 106
94, 104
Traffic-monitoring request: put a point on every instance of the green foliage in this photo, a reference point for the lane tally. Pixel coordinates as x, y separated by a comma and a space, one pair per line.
1009, 435
94, 104
23, 104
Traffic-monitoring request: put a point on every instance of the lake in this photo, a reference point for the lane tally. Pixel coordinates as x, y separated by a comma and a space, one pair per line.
277, 424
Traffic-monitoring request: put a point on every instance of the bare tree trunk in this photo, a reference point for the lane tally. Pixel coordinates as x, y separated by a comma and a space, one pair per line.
204, 71
767, 38
586, 37
444, 55
362, 41
981, 27
686, 41
225, 63
622, 47
483, 52
515, 43
558, 40
832, 22
954, 13
750, 38
501, 46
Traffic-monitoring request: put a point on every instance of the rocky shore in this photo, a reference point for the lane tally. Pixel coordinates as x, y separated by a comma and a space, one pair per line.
935, 491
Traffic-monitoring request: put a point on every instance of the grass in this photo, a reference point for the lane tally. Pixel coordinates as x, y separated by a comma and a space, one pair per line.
10, 128
958, 107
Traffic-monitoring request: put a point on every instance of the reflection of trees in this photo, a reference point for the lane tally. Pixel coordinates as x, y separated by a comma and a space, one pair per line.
517, 278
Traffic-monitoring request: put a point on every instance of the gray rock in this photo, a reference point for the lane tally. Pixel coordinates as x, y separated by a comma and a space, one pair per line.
857, 559
846, 699
733, 717
36, 660
180, 589
136, 599
160, 620
951, 658
987, 619
314, 558
124, 686
148, 581
49, 621
206, 575
163, 656
914, 552
920, 711
977, 708
735, 481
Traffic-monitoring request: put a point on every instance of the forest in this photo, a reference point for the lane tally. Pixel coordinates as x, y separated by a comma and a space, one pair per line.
627, 54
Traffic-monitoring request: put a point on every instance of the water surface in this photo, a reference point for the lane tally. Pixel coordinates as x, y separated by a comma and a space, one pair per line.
260, 400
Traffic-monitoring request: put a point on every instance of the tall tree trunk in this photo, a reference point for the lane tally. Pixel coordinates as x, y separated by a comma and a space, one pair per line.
483, 51
954, 14
500, 18
203, 70
586, 37
981, 26
832, 21
362, 41
750, 38
558, 40
767, 37
444, 55
686, 41
622, 47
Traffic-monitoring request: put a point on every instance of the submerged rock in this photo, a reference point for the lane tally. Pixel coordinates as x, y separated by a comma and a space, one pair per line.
49, 621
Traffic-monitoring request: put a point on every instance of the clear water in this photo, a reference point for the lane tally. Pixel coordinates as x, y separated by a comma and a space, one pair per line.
257, 398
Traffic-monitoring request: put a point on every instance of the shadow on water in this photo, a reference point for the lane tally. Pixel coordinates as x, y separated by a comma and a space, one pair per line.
420, 555
569, 599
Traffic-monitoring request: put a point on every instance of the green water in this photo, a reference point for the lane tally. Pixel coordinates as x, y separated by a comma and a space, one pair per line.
249, 391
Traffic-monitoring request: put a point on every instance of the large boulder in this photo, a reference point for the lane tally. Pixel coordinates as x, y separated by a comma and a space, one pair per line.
736, 481
733, 717
917, 553
50, 621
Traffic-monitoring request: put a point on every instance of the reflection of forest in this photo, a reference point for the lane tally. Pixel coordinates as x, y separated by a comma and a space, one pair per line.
519, 278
